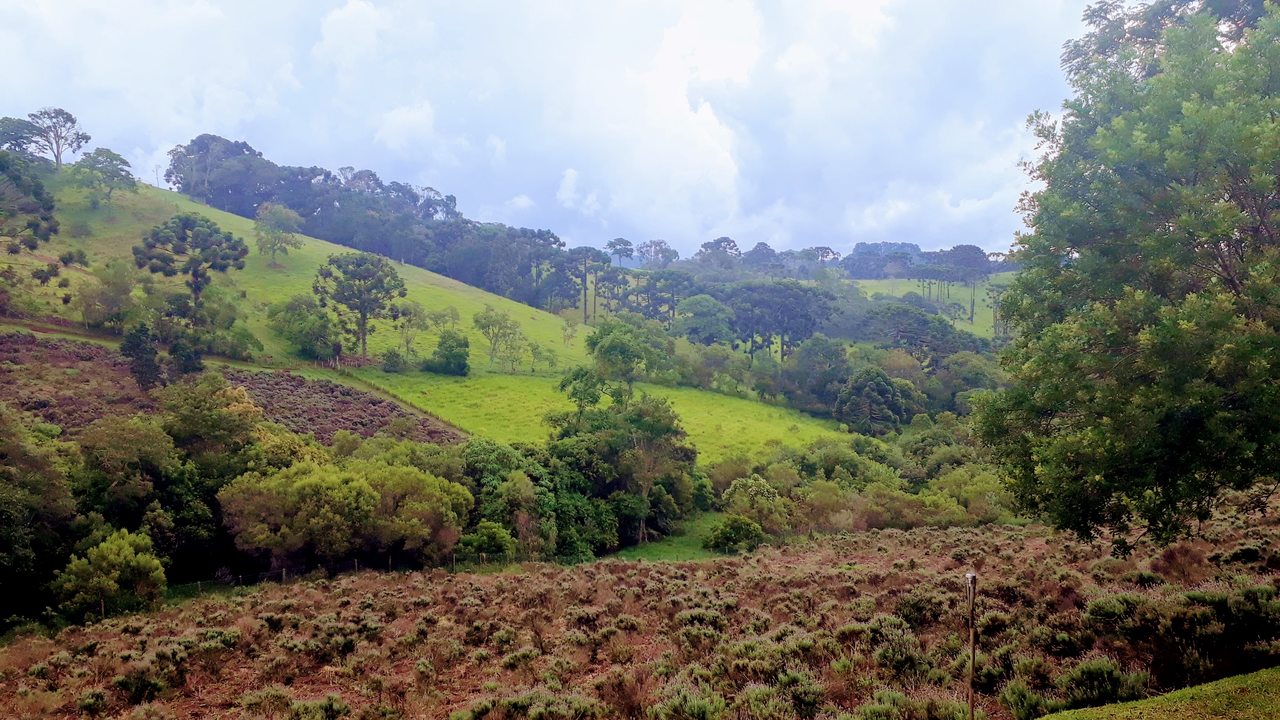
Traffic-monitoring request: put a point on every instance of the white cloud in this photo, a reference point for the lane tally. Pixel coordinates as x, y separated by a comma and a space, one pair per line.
349, 35
797, 123
567, 193
405, 126
519, 202
497, 149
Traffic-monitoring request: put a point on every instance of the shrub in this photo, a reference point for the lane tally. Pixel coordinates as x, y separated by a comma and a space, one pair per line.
451, 356
1025, 703
393, 361
330, 708
735, 534
1099, 682
690, 703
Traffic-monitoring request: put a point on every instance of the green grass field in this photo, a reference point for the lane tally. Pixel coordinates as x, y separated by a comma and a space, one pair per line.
1245, 697
511, 408
685, 545
502, 406
982, 321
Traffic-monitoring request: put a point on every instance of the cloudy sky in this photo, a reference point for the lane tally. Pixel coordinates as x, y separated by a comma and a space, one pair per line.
795, 122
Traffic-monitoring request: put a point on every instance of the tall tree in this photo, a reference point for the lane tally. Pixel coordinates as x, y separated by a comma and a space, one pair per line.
704, 320
275, 227
102, 172
1145, 313
620, 248
193, 245
656, 254
498, 328
57, 133
361, 286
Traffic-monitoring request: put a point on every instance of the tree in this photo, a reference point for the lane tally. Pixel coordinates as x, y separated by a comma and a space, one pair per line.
119, 574
512, 349
1144, 314
26, 208
626, 346
722, 252
18, 136
620, 248
498, 328
302, 322
193, 245
139, 347
361, 287
488, 542
656, 254
184, 358
57, 133
275, 227
704, 320
872, 403
813, 375
443, 318
124, 461
409, 318
101, 173
108, 302
569, 329
451, 356
37, 510
754, 498
314, 511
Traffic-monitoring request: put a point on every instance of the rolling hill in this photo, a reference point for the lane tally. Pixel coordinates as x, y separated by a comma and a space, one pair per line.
982, 320
506, 407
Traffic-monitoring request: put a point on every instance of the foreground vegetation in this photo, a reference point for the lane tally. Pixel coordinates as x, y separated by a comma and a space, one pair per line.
870, 625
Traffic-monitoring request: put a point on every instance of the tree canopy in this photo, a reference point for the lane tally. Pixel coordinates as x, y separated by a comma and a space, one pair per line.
192, 245
1145, 386
361, 287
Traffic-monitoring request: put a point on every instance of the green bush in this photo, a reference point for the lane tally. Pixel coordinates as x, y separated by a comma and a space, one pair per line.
451, 356
690, 703
1025, 703
489, 541
1100, 682
735, 534
393, 361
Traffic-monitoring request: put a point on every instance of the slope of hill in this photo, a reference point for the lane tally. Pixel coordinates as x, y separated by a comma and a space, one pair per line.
982, 320
70, 384
508, 407
1246, 697
868, 624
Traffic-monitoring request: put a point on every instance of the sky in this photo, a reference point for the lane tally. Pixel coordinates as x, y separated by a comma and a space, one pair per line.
796, 122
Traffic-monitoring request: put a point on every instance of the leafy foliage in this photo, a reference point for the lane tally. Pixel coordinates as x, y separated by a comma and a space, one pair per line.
360, 287
192, 245
119, 574
1146, 307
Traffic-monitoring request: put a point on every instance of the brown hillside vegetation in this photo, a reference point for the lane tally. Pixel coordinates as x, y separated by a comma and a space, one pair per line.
869, 624
70, 384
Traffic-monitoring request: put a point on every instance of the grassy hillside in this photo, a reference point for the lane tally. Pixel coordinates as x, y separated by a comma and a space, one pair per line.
981, 325
498, 405
1246, 697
